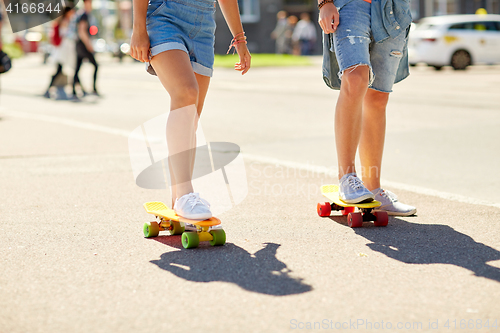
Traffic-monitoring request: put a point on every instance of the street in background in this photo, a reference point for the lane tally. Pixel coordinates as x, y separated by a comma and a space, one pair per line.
456, 40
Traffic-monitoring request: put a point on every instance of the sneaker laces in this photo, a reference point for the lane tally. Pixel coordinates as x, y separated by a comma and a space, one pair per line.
354, 182
389, 195
194, 199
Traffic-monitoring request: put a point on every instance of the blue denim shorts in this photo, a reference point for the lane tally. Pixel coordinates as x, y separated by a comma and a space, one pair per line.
354, 46
186, 25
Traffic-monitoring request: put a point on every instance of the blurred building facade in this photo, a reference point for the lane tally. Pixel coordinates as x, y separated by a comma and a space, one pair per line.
259, 18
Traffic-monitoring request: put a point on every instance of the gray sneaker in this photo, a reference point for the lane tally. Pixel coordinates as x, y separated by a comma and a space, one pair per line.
391, 205
352, 190
191, 206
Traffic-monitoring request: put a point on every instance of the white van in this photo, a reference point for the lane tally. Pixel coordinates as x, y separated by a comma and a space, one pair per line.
455, 40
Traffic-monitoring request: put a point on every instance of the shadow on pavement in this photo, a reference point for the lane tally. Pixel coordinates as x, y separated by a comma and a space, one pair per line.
261, 272
414, 243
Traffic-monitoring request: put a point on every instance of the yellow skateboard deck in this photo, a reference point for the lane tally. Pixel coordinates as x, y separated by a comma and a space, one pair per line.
331, 192
169, 220
158, 208
354, 219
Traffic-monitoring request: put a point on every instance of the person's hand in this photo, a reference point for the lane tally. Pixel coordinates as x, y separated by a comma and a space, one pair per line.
328, 18
244, 65
139, 45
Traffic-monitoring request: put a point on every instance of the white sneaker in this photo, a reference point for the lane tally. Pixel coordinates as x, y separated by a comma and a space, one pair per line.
391, 205
352, 190
191, 206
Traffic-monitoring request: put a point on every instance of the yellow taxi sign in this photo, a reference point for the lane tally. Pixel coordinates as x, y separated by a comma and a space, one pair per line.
481, 11
450, 39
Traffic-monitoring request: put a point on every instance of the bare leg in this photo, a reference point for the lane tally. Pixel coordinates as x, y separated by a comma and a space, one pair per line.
348, 116
187, 91
203, 83
176, 74
371, 146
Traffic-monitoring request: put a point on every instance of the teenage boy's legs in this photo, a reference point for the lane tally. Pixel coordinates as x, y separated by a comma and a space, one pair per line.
385, 58
348, 117
371, 144
351, 41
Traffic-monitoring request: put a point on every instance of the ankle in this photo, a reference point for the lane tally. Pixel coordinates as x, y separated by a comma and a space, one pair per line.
346, 171
372, 186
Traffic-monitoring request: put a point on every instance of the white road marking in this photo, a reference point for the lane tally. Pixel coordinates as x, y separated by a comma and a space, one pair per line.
317, 169
68, 122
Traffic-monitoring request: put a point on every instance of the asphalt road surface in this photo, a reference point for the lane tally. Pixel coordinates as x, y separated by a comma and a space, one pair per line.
74, 259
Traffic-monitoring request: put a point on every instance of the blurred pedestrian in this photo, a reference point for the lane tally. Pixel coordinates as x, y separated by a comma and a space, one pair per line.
84, 48
5, 62
279, 33
61, 52
176, 40
370, 46
305, 34
291, 22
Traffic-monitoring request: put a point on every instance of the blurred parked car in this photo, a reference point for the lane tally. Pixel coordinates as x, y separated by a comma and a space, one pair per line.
456, 40
28, 41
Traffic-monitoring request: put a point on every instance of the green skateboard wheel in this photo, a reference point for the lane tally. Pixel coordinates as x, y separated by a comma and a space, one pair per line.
177, 228
151, 229
190, 240
219, 237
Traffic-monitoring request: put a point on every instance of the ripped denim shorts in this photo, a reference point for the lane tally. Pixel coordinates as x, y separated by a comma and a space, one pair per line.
186, 25
354, 45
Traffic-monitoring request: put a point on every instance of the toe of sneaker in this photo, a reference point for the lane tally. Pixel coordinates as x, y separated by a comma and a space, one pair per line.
398, 209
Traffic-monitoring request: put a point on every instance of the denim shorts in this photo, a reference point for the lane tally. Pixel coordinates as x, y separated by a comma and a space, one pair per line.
354, 46
186, 25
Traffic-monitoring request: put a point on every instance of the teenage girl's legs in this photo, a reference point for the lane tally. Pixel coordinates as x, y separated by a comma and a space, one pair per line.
187, 92
203, 83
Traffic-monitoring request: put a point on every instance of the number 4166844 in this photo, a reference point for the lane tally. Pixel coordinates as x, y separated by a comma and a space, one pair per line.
32, 8
471, 324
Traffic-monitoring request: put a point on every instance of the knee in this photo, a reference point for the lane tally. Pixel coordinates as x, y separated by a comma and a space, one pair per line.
186, 95
356, 80
377, 99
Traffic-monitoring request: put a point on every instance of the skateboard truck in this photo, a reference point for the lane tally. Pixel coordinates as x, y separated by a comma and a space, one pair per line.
175, 225
354, 219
